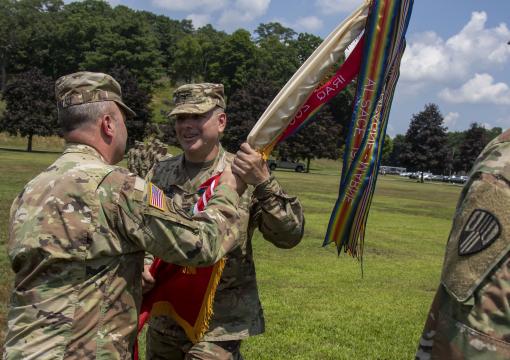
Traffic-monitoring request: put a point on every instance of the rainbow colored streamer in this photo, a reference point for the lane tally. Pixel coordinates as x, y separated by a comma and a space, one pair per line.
384, 45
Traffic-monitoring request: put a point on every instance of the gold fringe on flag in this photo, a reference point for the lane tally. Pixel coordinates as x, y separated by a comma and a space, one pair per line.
195, 332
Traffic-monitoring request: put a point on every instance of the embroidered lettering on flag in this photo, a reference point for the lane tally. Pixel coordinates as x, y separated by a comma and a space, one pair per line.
156, 197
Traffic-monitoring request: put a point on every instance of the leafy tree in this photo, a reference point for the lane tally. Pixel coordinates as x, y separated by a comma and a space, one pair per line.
494, 132
387, 150
341, 109
37, 33
274, 30
244, 108
26, 35
127, 42
399, 147
138, 99
2, 108
79, 32
7, 38
305, 45
30, 106
320, 138
280, 52
426, 140
455, 139
168, 32
475, 139
276, 60
188, 59
236, 62
210, 41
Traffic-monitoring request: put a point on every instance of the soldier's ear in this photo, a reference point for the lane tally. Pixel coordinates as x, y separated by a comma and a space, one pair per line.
107, 125
222, 121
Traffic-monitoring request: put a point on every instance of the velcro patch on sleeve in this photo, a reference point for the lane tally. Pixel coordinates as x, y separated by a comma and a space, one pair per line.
139, 184
156, 197
479, 237
479, 232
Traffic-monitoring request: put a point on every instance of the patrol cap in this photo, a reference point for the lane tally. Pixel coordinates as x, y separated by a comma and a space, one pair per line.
88, 87
198, 98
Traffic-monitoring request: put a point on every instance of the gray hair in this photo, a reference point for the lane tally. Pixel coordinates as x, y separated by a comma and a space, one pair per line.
73, 117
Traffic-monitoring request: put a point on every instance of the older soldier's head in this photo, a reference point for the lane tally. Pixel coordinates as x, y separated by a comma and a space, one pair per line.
200, 119
91, 111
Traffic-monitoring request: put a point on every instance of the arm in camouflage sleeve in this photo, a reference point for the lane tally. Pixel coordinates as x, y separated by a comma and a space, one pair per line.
469, 315
280, 216
170, 235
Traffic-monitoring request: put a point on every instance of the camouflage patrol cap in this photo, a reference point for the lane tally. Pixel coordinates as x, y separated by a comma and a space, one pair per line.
197, 98
87, 87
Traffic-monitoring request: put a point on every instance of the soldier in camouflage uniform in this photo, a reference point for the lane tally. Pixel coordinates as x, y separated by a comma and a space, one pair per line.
200, 120
79, 231
470, 315
160, 149
132, 157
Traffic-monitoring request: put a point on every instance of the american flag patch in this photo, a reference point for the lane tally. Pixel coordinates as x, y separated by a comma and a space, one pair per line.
156, 197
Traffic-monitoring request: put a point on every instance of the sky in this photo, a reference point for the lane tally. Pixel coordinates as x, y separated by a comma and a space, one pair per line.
457, 54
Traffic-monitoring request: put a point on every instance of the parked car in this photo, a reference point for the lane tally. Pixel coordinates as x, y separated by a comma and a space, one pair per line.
284, 164
458, 179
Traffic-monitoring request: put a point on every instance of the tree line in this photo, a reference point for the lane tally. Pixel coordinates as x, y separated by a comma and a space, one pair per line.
41, 40
427, 146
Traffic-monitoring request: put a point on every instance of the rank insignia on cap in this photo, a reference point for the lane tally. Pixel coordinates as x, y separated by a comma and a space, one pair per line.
481, 229
156, 197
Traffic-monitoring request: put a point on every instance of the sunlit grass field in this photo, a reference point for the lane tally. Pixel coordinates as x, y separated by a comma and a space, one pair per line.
317, 305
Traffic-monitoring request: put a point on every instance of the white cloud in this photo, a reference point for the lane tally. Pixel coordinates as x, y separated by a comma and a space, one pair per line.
241, 12
256, 7
190, 5
479, 89
337, 6
426, 60
450, 119
503, 122
487, 45
232, 19
309, 23
474, 49
199, 20
228, 14
303, 24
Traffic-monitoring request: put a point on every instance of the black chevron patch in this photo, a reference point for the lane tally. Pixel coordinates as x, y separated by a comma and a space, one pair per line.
481, 230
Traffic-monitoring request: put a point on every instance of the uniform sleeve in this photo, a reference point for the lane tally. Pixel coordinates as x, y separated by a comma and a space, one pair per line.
159, 228
470, 309
279, 216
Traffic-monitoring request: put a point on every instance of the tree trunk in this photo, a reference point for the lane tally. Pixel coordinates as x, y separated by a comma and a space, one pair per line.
29, 145
308, 165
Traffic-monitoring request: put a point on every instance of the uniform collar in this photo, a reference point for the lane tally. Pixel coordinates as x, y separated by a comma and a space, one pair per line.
82, 149
217, 166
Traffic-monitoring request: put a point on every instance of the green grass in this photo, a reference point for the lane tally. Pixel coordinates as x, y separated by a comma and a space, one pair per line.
39, 143
317, 305
161, 102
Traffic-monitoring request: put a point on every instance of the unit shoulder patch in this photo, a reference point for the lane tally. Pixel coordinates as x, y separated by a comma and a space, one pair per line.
479, 232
